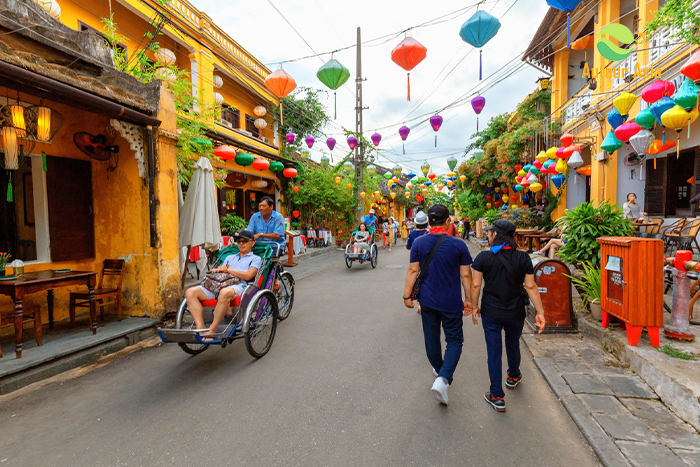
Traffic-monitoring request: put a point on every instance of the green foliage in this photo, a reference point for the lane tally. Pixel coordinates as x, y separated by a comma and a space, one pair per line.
320, 198
471, 204
671, 351
304, 115
586, 223
493, 215
231, 224
522, 217
588, 284
678, 16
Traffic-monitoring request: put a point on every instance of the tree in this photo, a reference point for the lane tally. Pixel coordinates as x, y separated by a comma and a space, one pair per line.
304, 115
679, 17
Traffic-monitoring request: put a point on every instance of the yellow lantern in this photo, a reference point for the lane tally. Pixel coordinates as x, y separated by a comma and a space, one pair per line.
624, 102
504, 198
462, 178
677, 118
513, 206
535, 187
522, 173
43, 124
337, 179
451, 174
497, 189
542, 156
377, 194
488, 205
363, 194
409, 185
560, 167
10, 147
425, 191
551, 153
18, 120
349, 185
393, 195
408, 194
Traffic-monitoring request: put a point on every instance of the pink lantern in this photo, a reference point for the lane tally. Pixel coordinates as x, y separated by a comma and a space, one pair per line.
560, 153
290, 138
403, 132
309, 141
352, 142
537, 164
478, 104
436, 122
657, 90
376, 138
627, 130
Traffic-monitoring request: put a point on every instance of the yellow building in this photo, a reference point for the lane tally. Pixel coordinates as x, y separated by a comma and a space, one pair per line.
584, 84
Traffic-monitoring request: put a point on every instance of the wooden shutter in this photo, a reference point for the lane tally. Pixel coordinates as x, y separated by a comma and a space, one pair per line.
236, 118
696, 185
71, 224
655, 189
250, 126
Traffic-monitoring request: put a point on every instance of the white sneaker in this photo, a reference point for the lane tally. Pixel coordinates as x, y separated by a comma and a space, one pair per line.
435, 372
440, 389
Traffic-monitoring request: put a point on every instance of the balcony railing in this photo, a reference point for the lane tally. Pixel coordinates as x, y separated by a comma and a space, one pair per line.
577, 106
623, 70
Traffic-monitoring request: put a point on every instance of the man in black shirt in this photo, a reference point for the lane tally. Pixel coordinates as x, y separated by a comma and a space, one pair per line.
504, 270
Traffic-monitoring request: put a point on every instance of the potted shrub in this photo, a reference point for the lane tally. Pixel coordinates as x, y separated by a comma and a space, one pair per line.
588, 286
231, 225
4, 258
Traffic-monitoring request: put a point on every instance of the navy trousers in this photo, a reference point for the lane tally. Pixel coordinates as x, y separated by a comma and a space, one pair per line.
494, 349
454, 337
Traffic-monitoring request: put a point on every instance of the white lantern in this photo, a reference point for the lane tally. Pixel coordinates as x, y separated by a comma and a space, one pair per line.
218, 98
43, 124
260, 123
166, 74
17, 112
55, 10
165, 56
532, 179
259, 184
10, 147
218, 81
260, 111
222, 175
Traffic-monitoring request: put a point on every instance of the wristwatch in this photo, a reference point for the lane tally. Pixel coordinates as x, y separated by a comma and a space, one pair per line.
406, 298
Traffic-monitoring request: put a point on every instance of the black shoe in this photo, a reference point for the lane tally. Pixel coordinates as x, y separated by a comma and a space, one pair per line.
512, 383
496, 402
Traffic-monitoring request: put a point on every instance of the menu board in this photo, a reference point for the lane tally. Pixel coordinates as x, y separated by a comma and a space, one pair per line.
615, 277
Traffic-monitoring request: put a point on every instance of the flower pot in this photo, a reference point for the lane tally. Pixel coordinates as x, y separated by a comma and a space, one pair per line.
2, 271
596, 311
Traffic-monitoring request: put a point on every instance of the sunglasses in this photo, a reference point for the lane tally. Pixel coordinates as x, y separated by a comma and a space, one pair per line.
243, 240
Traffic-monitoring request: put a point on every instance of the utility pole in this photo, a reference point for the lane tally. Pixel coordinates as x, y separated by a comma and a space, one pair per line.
360, 148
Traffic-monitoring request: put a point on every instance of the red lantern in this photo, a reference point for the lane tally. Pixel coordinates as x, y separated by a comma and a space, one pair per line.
537, 164
518, 168
225, 153
560, 153
407, 55
289, 172
295, 189
691, 68
657, 90
567, 139
261, 164
570, 150
489, 198
295, 213
419, 198
497, 203
514, 197
431, 176
625, 131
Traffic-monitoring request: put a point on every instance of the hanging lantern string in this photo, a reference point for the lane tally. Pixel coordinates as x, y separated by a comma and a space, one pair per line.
408, 85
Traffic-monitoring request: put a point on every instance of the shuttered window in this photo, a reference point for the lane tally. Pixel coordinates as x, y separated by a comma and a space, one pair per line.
250, 126
231, 115
655, 191
71, 224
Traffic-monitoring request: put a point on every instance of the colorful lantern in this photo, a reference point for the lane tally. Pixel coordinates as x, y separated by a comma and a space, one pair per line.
376, 138
425, 191
542, 157
478, 104
409, 185
261, 164
295, 189
452, 163
425, 168
349, 186
408, 54
615, 119
330, 142
290, 172
570, 150
610, 143
348, 167
535, 187
560, 153
333, 74
677, 118
290, 138
657, 90
276, 166
691, 68
687, 94
641, 142
325, 161
568, 6
244, 159
478, 30
436, 122
624, 102
557, 180
403, 132
552, 152
657, 147
645, 119
337, 180
462, 178
567, 139
387, 175
625, 131
408, 194
371, 169
519, 167
393, 195
295, 214
411, 175
377, 194
225, 153
280, 83
585, 171
352, 142
309, 141
560, 167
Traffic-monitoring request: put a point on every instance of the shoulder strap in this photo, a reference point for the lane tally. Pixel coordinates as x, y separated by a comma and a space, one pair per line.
509, 267
426, 264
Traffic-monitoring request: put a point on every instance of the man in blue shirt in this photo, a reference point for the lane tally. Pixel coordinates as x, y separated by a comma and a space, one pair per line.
370, 221
421, 221
267, 225
441, 295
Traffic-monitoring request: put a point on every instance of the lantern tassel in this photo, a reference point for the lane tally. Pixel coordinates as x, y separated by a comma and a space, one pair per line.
436, 138
10, 195
568, 29
477, 124
479, 64
404, 148
408, 86
678, 146
655, 163
43, 161
281, 113
663, 138
335, 104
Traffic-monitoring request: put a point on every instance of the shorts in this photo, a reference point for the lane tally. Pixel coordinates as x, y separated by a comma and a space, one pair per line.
239, 288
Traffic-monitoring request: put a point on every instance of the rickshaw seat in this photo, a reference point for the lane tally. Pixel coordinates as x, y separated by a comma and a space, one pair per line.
212, 303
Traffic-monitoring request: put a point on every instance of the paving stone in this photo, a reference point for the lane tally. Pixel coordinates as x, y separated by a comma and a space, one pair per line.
676, 434
569, 362
587, 384
551, 374
649, 410
650, 455
689, 457
592, 355
616, 420
629, 386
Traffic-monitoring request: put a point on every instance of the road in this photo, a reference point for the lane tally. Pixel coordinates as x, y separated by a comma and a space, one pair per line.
346, 383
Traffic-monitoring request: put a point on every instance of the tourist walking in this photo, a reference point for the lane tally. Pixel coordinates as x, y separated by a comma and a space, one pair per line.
466, 228
404, 231
504, 270
421, 221
438, 272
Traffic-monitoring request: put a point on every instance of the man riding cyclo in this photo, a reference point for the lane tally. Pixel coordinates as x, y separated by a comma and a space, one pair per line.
243, 265
267, 226
370, 221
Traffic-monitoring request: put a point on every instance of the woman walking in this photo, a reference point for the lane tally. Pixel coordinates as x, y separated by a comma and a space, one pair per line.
404, 231
504, 269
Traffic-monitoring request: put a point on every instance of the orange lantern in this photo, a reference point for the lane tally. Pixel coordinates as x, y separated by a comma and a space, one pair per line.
349, 185
393, 195
362, 195
280, 83
583, 43
658, 147
407, 55
295, 189
289, 172
586, 171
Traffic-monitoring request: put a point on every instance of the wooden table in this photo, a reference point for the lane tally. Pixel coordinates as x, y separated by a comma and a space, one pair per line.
638, 224
32, 282
538, 238
521, 233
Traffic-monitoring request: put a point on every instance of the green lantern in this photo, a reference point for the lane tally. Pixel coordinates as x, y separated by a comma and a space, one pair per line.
304, 154
425, 168
387, 175
452, 163
333, 74
203, 142
645, 119
478, 154
276, 166
611, 143
397, 170
244, 159
348, 167
371, 169
325, 161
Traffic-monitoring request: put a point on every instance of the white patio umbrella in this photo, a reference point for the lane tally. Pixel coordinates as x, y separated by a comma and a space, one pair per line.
199, 218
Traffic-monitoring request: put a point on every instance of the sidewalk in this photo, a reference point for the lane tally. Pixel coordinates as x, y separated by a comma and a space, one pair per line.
618, 413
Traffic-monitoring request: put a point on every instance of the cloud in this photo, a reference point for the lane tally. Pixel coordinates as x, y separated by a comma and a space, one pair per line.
329, 25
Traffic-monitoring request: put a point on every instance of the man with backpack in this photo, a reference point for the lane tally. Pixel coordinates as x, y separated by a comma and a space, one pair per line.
438, 271
504, 270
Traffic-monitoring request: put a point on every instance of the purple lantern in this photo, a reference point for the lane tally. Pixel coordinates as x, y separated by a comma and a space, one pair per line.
478, 104
309, 141
331, 144
290, 138
352, 142
404, 131
436, 122
376, 138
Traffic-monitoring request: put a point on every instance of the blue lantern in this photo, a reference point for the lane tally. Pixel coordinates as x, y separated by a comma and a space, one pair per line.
411, 175
526, 198
478, 30
557, 180
488, 189
615, 119
428, 183
566, 6
659, 107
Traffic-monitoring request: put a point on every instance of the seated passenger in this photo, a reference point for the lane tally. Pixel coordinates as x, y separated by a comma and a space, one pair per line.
243, 265
361, 238
267, 225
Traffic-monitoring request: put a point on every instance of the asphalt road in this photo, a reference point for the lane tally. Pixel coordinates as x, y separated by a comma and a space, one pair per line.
346, 383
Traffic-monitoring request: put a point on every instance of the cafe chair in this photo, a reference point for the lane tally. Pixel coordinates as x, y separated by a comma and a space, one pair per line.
654, 229
673, 229
103, 295
7, 319
690, 231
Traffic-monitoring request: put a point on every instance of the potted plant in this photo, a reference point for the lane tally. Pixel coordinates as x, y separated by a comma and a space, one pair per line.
231, 225
588, 286
4, 258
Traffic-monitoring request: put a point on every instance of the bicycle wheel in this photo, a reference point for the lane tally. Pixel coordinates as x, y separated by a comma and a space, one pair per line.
348, 263
285, 295
694, 316
184, 320
375, 254
263, 324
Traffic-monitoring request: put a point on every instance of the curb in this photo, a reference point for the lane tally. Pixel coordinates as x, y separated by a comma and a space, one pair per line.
604, 447
310, 253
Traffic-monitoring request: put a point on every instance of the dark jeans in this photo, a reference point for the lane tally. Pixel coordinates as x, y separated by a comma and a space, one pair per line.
452, 325
494, 349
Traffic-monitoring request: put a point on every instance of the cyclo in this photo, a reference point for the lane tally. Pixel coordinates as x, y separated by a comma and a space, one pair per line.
371, 255
255, 312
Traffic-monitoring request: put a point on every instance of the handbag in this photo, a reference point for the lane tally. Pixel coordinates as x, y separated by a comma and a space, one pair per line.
415, 292
215, 281
511, 271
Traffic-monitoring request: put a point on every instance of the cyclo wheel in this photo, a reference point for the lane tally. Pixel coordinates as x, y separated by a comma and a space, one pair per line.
184, 320
694, 317
285, 295
348, 263
263, 324
375, 254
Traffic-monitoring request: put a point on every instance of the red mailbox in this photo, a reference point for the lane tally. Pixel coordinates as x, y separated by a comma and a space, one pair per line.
631, 284
555, 291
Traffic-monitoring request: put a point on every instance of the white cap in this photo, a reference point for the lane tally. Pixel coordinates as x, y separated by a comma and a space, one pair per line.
371, 211
421, 218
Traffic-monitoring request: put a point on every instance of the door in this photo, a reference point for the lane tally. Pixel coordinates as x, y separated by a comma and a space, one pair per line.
655, 191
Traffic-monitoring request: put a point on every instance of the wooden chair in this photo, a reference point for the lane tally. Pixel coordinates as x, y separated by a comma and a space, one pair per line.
27, 315
103, 295
673, 229
657, 221
690, 230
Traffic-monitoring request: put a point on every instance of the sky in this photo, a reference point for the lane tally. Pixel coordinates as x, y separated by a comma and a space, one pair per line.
449, 73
